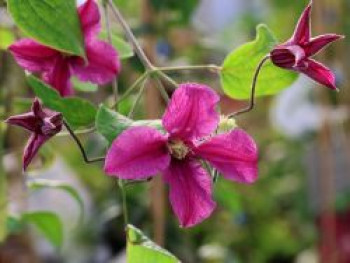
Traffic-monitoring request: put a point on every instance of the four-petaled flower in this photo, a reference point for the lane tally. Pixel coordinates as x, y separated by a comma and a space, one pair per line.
56, 67
190, 120
42, 123
295, 53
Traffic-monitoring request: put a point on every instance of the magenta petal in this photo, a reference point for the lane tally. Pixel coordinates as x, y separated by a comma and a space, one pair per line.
59, 77
103, 63
32, 148
320, 73
90, 19
191, 112
137, 153
318, 43
302, 32
27, 121
234, 154
33, 56
190, 192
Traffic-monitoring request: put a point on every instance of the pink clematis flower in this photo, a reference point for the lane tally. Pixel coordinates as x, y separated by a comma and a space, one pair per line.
56, 67
295, 53
42, 123
190, 119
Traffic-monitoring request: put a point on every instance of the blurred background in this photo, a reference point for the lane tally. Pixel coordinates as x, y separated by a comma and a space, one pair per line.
298, 211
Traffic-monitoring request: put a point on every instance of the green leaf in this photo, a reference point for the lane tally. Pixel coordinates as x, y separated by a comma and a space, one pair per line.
124, 48
54, 23
48, 223
6, 38
39, 184
140, 249
14, 225
239, 67
84, 86
110, 123
3, 189
78, 112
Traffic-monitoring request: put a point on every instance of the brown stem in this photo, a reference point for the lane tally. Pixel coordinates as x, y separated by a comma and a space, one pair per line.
253, 90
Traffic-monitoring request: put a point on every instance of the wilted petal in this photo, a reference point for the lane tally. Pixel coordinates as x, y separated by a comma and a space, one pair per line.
302, 32
318, 43
103, 63
27, 121
32, 148
190, 192
137, 153
59, 77
90, 19
33, 56
191, 112
234, 154
320, 73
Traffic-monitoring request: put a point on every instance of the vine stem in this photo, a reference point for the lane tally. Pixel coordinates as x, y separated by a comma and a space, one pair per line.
80, 145
253, 90
130, 36
124, 202
210, 67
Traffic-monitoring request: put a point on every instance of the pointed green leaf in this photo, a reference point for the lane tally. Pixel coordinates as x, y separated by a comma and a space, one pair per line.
6, 38
48, 223
124, 48
38, 184
54, 23
110, 123
239, 67
78, 112
140, 249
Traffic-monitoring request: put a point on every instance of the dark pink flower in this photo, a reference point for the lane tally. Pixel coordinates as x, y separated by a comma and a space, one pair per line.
42, 123
56, 67
295, 53
190, 120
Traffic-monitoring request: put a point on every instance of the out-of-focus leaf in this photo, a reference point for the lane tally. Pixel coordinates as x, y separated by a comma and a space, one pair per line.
239, 67
54, 23
110, 123
124, 49
3, 191
6, 38
84, 86
78, 112
140, 249
39, 184
48, 223
14, 225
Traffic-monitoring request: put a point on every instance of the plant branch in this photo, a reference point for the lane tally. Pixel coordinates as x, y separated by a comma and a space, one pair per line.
124, 203
210, 67
253, 90
80, 145
130, 36
137, 100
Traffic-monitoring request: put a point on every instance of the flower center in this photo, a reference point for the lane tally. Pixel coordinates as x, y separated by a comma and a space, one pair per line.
178, 149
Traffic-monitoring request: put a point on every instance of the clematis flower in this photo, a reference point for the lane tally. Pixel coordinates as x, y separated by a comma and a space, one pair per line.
295, 53
42, 123
189, 121
56, 67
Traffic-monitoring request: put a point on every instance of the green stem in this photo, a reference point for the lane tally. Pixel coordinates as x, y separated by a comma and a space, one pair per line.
137, 100
162, 90
132, 88
253, 90
124, 202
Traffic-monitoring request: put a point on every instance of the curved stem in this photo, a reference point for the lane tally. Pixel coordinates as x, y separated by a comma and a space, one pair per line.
253, 90
137, 100
130, 36
80, 145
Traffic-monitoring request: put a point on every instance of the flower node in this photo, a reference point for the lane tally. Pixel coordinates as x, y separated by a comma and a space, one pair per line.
178, 149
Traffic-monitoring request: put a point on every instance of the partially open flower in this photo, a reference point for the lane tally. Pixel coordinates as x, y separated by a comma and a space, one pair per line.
190, 121
56, 67
42, 123
295, 53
